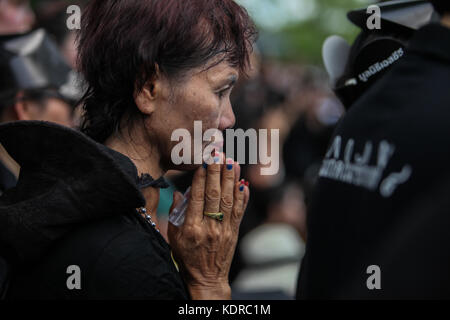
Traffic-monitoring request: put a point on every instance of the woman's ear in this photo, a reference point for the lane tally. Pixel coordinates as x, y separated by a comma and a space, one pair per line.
23, 110
20, 110
147, 99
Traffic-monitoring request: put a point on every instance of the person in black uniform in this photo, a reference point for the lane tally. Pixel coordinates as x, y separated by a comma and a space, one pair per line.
378, 225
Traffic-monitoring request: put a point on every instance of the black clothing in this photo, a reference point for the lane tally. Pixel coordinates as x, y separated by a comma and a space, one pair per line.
7, 178
303, 152
75, 205
441, 6
390, 154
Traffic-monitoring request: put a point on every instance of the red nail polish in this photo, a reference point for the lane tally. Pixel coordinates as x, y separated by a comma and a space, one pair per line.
247, 184
242, 181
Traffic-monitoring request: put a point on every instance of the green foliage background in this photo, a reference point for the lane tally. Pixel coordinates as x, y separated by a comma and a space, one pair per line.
302, 41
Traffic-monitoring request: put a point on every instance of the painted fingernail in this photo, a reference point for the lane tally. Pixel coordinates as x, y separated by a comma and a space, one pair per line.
205, 165
216, 160
243, 182
229, 164
241, 188
247, 183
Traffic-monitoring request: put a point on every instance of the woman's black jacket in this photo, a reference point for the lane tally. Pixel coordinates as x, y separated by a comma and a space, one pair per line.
69, 229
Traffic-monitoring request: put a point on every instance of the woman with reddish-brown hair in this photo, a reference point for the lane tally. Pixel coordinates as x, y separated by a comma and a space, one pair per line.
80, 224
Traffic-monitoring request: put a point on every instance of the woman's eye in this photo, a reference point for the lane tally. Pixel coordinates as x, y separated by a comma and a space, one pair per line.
223, 93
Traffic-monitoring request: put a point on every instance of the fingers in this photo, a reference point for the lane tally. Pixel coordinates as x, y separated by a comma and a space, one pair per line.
213, 188
216, 189
246, 198
194, 212
241, 198
237, 172
227, 187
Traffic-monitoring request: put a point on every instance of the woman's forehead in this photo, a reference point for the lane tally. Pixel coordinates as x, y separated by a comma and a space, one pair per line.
222, 72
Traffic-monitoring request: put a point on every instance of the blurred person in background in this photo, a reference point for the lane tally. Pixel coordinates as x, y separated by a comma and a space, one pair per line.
373, 231
315, 112
52, 16
309, 138
35, 84
16, 16
272, 251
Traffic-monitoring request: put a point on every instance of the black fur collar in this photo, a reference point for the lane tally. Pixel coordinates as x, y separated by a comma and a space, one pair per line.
66, 179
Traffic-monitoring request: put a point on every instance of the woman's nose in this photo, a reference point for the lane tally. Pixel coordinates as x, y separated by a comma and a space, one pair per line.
227, 119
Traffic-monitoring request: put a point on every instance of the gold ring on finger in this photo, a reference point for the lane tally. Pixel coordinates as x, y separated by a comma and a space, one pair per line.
216, 216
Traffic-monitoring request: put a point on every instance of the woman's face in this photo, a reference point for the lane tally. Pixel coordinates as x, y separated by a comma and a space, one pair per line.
16, 16
203, 95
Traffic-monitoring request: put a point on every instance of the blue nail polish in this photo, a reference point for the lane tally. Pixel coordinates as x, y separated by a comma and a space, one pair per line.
229, 167
216, 160
241, 188
205, 165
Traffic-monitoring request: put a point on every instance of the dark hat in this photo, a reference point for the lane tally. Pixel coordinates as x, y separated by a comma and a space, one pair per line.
400, 14
32, 61
354, 69
441, 6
